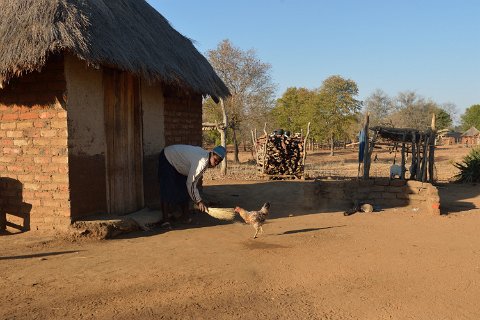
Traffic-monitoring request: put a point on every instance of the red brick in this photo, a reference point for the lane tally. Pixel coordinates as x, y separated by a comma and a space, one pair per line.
24, 125
39, 124
8, 126
10, 116
15, 168
15, 134
12, 151
48, 133
42, 159
47, 115
43, 195
6, 159
26, 116
20, 142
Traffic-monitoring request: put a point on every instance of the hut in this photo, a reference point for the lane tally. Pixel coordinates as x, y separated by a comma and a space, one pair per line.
447, 138
90, 92
471, 137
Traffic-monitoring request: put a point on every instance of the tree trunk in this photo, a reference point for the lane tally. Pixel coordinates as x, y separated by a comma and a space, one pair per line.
332, 145
235, 144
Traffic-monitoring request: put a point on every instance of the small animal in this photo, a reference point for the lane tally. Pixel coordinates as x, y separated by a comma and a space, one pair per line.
255, 218
395, 170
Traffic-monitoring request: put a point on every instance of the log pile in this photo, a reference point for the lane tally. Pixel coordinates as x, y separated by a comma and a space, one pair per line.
280, 155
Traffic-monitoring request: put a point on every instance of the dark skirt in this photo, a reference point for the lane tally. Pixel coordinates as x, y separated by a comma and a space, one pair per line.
173, 185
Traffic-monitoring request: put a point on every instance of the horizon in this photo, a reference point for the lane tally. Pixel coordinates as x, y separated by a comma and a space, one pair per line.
428, 48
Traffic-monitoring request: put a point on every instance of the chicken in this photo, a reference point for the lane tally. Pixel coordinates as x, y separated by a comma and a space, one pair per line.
255, 218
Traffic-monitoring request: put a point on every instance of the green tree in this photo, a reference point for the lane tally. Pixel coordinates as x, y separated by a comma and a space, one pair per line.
337, 107
471, 117
443, 119
293, 110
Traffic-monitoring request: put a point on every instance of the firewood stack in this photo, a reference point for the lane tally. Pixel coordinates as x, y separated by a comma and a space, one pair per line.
280, 155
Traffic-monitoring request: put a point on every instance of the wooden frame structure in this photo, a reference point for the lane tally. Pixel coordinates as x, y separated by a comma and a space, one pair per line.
420, 145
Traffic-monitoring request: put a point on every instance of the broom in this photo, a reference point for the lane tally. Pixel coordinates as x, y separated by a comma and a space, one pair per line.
221, 213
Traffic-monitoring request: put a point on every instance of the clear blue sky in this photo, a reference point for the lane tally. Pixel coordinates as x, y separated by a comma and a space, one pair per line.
431, 47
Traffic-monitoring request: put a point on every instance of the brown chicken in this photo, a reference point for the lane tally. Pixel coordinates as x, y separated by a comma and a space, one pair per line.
255, 218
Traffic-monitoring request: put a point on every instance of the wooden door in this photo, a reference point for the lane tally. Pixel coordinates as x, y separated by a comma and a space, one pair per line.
124, 154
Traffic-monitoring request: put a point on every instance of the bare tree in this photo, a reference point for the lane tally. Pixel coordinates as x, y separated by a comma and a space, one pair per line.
250, 85
380, 107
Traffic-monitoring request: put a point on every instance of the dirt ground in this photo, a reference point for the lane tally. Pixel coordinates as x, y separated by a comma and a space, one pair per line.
394, 264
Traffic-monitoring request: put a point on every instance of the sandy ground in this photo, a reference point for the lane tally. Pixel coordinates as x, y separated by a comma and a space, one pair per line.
395, 264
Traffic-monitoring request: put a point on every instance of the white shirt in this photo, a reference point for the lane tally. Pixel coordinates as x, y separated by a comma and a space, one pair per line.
190, 161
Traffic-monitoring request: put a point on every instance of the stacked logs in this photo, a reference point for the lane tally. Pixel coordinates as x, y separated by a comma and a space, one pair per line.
280, 155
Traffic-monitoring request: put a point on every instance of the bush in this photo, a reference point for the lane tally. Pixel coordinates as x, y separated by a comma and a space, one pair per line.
470, 168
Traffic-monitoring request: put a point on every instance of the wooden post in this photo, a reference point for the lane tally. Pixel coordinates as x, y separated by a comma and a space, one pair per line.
223, 137
431, 155
366, 156
402, 164
265, 149
254, 141
423, 176
413, 166
304, 149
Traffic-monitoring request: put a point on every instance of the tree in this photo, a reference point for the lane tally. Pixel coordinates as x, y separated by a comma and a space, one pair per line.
293, 110
380, 107
443, 119
250, 85
471, 117
414, 111
337, 107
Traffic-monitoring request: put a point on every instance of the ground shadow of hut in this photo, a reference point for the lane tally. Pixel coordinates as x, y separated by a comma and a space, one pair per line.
14, 213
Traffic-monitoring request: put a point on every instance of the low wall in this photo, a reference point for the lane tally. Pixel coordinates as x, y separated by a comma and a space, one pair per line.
382, 193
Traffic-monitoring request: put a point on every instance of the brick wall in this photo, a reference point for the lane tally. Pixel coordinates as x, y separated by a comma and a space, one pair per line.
382, 193
33, 150
183, 117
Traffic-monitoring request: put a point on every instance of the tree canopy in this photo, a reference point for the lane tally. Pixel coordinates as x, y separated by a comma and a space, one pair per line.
471, 117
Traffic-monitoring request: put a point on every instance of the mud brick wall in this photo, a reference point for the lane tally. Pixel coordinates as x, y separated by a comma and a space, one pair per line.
383, 193
183, 117
33, 150
182, 125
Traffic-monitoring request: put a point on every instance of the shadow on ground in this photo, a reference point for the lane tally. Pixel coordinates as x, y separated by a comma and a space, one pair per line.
458, 197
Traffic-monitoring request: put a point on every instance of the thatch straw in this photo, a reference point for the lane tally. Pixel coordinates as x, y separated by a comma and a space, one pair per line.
126, 34
222, 213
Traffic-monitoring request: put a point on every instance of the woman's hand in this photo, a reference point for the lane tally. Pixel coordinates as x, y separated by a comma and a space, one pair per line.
202, 206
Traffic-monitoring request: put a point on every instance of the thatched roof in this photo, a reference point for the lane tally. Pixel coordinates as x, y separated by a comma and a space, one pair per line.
472, 132
126, 34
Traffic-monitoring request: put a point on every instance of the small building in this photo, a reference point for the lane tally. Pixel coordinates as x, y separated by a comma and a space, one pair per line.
90, 93
471, 137
450, 138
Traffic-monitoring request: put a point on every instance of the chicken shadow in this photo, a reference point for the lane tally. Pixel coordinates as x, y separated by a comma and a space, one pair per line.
38, 255
309, 230
14, 213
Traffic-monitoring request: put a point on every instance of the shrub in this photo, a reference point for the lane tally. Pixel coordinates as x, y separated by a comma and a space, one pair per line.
470, 168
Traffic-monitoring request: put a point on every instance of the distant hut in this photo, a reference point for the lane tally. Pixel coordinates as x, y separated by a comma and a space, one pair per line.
471, 137
90, 92
449, 137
